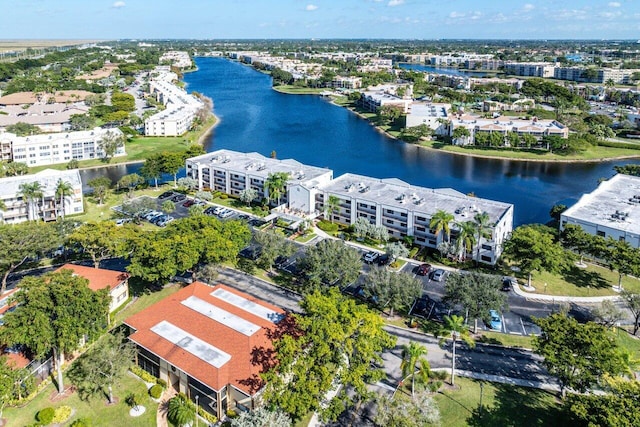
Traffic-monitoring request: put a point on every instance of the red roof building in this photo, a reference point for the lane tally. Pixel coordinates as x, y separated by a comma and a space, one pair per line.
211, 343
116, 281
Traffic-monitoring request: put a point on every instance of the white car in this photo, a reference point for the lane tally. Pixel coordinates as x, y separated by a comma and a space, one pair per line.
217, 210
438, 275
226, 213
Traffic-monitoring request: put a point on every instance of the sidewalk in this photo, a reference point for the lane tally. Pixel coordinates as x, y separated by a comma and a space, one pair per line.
556, 298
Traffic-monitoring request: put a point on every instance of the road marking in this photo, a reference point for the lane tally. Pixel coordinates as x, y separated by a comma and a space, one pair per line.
524, 331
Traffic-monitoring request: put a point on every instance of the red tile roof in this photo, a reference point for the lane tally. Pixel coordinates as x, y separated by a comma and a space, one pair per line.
98, 277
250, 355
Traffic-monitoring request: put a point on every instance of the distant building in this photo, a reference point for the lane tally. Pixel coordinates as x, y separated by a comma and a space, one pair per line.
54, 148
211, 343
177, 58
532, 69
48, 117
347, 82
504, 125
48, 207
611, 210
116, 281
435, 116
387, 95
23, 98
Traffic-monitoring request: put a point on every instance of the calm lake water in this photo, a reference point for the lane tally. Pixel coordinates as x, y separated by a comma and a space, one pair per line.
316, 132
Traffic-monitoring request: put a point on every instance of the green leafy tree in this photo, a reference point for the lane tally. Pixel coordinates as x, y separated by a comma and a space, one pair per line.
397, 291
168, 206
534, 250
23, 129
21, 242
13, 383
152, 168
607, 314
248, 195
335, 340
414, 362
130, 182
577, 354
440, 223
187, 183
123, 102
101, 240
272, 246
623, 258
103, 366
16, 169
332, 206
275, 185
456, 327
461, 132
575, 238
109, 144
361, 227
483, 229
100, 186
31, 192
388, 114
616, 407
180, 410
396, 250
54, 312
632, 303
633, 170
204, 195
63, 190
262, 417
81, 122
331, 262
420, 411
476, 293
171, 164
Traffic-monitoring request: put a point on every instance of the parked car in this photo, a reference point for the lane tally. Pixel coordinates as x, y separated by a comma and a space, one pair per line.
185, 277
385, 259
507, 283
370, 257
438, 275
165, 221
166, 195
217, 210
423, 269
209, 211
496, 322
226, 213
178, 198
189, 203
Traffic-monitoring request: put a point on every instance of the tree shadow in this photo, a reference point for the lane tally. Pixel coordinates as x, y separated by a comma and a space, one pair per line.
519, 406
583, 278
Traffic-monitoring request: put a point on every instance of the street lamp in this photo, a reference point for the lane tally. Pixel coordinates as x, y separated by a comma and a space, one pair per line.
197, 396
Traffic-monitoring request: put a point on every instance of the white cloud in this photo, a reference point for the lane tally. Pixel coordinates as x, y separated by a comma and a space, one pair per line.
311, 7
454, 15
528, 7
118, 5
614, 4
395, 3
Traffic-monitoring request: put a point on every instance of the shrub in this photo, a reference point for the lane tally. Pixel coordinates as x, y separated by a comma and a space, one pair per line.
156, 391
434, 386
231, 413
45, 416
438, 375
162, 383
144, 375
327, 226
224, 196
207, 416
82, 422
62, 414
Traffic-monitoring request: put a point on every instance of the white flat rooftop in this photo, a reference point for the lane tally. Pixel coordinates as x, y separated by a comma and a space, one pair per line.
194, 345
229, 320
615, 204
248, 306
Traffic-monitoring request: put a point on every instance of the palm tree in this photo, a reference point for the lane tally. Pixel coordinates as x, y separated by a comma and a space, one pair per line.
31, 192
412, 355
333, 204
440, 222
63, 190
180, 410
466, 238
454, 325
483, 228
3, 207
275, 184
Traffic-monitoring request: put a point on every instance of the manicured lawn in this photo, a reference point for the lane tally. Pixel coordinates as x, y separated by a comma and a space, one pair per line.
146, 298
296, 90
95, 212
507, 340
304, 422
593, 153
95, 409
305, 238
582, 282
503, 405
628, 342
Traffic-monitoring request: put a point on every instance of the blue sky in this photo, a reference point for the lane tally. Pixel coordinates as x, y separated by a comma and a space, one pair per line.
406, 19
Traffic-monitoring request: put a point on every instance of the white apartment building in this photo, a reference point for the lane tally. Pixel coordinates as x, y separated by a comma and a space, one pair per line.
436, 116
177, 58
532, 69
48, 207
406, 210
347, 82
180, 111
504, 124
611, 210
54, 148
231, 172
48, 117
386, 95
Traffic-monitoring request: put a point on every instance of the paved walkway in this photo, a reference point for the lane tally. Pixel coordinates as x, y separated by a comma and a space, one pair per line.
504, 380
161, 415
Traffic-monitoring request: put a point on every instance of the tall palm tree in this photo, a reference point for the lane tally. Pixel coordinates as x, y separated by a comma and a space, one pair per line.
180, 410
440, 223
333, 204
31, 192
275, 184
454, 325
63, 190
414, 363
466, 237
483, 229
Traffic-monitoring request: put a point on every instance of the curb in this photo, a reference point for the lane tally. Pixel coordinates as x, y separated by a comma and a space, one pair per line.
556, 299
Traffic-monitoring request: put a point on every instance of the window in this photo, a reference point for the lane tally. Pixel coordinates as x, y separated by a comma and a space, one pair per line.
403, 214
621, 238
485, 258
486, 247
601, 233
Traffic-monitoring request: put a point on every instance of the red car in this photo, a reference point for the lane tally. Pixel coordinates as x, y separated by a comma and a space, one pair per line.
423, 269
189, 203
